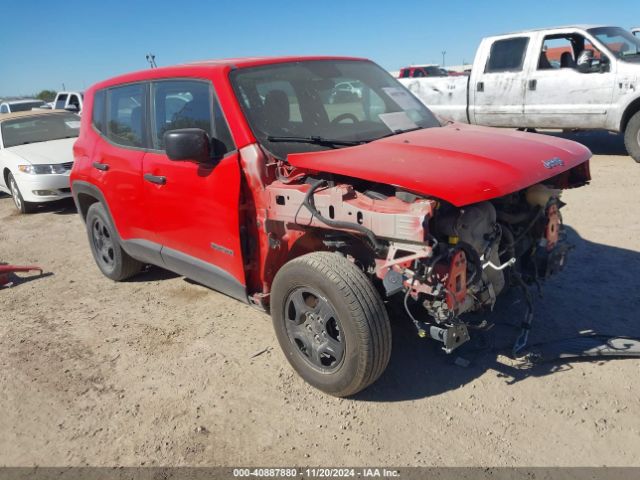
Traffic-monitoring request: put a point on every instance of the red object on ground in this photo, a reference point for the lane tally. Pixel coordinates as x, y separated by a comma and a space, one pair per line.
5, 270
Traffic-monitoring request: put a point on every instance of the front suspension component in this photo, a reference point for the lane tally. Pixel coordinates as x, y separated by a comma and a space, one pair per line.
452, 337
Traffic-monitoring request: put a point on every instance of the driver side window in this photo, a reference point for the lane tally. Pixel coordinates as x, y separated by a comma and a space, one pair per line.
181, 104
571, 51
557, 52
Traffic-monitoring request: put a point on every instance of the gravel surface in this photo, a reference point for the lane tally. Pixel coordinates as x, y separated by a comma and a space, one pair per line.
162, 371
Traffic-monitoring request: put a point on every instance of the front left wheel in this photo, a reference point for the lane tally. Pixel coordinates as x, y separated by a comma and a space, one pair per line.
21, 205
632, 137
331, 323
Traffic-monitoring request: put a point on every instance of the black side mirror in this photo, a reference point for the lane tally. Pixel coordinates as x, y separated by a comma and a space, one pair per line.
188, 144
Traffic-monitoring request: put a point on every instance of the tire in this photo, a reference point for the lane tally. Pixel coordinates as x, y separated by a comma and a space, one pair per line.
18, 201
111, 259
331, 323
632, 137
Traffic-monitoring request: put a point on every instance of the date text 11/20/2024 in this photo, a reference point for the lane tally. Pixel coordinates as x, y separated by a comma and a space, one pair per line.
316, 472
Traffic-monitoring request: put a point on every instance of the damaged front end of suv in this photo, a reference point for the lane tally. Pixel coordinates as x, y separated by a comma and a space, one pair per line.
427, 252
449, 260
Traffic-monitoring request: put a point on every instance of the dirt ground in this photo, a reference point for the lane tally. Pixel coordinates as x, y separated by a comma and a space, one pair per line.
160, 371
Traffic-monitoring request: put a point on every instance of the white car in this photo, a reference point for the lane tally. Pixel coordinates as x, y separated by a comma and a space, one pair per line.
36, 156
346, 92
20, 105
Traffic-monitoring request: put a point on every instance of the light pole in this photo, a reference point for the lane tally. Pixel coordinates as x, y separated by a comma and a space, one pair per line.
151, 58
444, 52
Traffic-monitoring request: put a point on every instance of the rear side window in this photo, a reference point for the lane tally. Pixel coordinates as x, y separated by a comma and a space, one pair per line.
125, 109
98, 117
188, 104
60, 101
507, 55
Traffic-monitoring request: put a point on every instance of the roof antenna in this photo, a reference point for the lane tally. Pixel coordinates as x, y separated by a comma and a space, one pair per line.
151, 58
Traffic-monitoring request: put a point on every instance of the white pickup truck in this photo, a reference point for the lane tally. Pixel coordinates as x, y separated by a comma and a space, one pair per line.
577, 77
70, 101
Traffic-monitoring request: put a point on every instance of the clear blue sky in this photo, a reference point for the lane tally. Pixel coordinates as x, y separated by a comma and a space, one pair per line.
44, 44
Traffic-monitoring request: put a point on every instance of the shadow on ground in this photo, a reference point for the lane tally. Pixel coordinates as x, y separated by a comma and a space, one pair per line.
599, 142
597, 292
58, 207
151, 273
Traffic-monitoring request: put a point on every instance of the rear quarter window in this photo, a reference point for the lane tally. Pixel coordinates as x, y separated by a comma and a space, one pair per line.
125, 112
60, 101
507, 55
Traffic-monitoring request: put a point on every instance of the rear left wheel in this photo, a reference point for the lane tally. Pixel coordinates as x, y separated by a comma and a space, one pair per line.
112, 260
21, 205
331, 323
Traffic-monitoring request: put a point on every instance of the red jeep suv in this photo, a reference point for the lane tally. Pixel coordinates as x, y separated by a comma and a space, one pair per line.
245, 176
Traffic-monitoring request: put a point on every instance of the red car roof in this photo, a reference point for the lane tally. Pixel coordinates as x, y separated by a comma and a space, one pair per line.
207, 67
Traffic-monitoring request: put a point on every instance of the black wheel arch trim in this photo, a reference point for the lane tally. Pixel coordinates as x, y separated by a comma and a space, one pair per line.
629, 111
146, 251
80, 187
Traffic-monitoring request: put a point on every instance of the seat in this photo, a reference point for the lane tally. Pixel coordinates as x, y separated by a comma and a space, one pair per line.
276, 112
566, 60
544, 63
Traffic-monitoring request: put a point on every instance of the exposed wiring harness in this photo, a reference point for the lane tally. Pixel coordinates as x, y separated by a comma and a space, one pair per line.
309, 204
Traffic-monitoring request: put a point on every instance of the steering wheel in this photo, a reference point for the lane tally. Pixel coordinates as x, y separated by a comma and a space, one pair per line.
345, 116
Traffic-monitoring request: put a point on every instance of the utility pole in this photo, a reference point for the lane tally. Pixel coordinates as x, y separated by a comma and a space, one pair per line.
151, 58
444, 52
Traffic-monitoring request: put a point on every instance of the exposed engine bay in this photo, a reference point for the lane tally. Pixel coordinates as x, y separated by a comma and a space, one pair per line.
439, 260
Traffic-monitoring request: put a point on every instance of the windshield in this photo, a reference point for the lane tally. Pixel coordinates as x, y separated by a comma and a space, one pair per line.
33, 129
349, 101
619, 42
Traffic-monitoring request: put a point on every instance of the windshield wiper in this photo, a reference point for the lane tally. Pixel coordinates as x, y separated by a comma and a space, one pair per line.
315, 140
334, 141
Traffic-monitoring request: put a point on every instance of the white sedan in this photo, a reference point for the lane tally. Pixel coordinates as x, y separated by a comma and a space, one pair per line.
36, 156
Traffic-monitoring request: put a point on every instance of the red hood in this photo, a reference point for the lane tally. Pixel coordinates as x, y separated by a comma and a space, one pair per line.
460, 164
